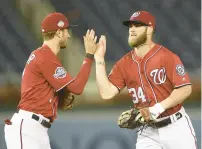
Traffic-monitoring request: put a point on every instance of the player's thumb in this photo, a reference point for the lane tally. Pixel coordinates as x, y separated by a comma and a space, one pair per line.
100, 41
103, 40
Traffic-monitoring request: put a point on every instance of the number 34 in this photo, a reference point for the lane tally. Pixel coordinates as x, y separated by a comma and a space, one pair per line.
137, 94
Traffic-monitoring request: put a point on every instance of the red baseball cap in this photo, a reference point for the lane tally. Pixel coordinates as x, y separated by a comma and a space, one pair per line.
141, 17
54, 21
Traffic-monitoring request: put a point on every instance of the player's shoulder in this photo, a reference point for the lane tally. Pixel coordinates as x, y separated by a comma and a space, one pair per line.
127, 57
42, 51
166, 52
42, 54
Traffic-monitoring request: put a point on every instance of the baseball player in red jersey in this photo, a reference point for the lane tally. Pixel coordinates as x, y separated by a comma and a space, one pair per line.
42, 80
157, 82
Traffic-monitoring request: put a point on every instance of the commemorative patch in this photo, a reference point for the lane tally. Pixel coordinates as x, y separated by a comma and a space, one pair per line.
180, 70
60, 73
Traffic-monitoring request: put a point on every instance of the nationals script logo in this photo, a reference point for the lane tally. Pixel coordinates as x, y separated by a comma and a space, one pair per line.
159, 75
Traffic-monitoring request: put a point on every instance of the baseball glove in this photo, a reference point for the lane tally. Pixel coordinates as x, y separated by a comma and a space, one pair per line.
68, 102
130, 119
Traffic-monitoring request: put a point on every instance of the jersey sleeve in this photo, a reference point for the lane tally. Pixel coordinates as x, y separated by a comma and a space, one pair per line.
116, 77
55, 73
176, 72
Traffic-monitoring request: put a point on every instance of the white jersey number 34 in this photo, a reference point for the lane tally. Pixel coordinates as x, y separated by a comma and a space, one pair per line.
137, 94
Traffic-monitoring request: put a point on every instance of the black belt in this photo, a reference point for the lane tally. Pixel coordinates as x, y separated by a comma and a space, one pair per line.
43, 122
166, 121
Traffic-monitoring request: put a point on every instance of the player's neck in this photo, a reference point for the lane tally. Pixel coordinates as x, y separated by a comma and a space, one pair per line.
143, 49
55, 48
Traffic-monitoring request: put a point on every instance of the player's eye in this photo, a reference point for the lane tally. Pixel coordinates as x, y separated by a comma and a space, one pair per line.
131, 25
138, 25
135, 24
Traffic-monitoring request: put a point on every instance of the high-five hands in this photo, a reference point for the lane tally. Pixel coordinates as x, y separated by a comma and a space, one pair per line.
92, 47
90, 42
101, 48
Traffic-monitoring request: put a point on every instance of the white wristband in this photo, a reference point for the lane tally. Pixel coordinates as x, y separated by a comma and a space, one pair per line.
156, 110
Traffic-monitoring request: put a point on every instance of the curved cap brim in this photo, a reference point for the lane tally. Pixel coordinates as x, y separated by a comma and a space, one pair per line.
127, 23
72, 26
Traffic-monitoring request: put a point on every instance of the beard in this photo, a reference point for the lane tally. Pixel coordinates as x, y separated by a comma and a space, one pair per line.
141, 39
63, 47
63, 44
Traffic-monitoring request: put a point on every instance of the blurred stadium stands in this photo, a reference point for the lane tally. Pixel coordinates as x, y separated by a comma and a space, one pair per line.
178, 28
16, 41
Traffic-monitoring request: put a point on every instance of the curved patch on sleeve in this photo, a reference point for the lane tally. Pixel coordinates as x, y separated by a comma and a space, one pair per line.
60, 73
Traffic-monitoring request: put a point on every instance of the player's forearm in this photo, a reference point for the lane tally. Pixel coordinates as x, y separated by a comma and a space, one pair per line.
77, 86
177, 97
103, 83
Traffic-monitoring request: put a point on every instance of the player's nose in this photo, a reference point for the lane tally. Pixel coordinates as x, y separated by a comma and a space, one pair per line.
132, 32
132, 29
68, 35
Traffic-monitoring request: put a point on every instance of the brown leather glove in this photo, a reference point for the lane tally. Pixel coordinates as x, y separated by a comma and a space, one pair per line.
130, 119
68, 102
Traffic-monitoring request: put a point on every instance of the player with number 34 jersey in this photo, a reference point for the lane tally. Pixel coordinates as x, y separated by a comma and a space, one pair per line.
158, 84
151, 79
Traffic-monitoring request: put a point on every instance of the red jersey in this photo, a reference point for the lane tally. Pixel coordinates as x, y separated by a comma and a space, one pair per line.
150, 79
42, 78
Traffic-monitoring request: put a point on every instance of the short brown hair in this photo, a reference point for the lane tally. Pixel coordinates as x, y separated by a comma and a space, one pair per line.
48, 35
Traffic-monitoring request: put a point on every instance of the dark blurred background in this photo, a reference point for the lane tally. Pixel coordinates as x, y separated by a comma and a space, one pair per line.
92, 122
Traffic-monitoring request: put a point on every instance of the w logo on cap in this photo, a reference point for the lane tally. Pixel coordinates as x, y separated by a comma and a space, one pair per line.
136, 14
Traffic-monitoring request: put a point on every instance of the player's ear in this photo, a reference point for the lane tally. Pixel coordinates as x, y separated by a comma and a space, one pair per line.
150, 30
59, 33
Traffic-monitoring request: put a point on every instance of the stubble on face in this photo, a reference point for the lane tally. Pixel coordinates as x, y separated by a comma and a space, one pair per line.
137, 39
63, 42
